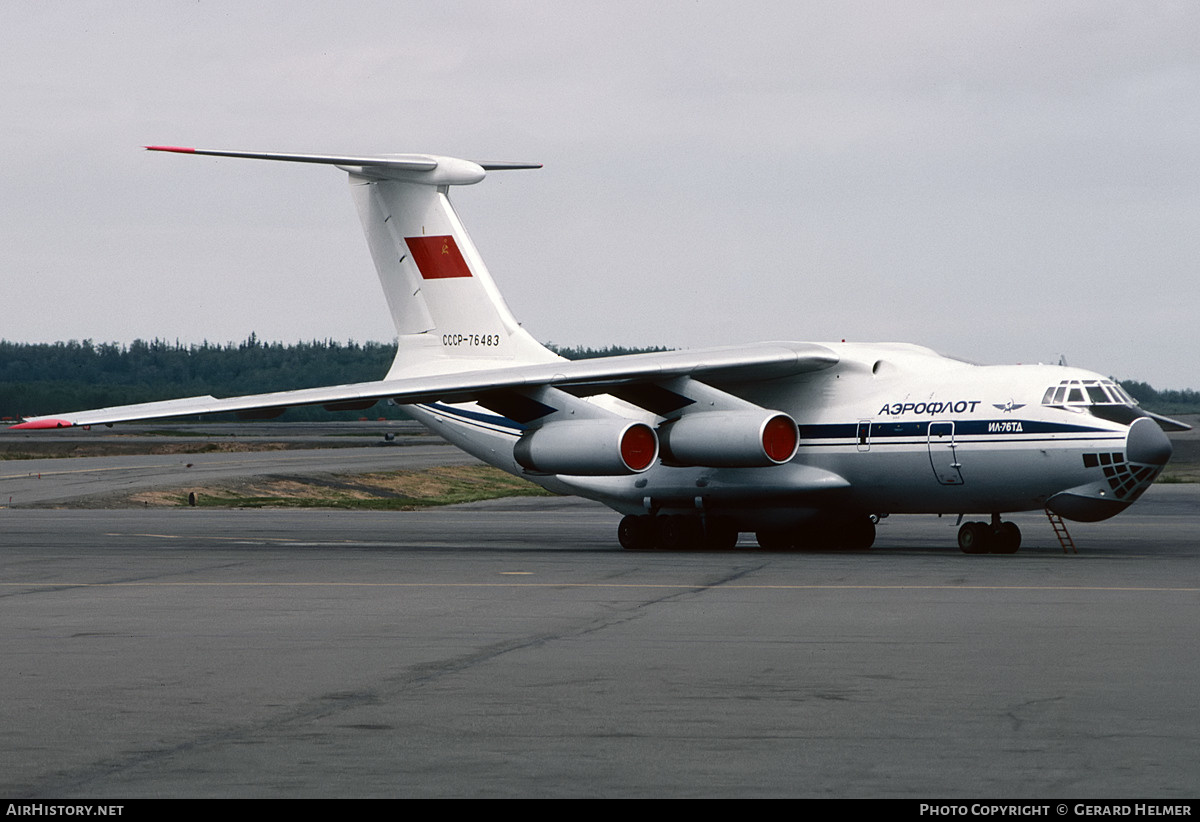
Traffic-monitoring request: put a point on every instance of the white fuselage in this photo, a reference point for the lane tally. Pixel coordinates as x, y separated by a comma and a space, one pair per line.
892, 428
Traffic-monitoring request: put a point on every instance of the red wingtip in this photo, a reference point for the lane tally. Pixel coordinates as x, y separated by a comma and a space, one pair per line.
176, 149
41, 424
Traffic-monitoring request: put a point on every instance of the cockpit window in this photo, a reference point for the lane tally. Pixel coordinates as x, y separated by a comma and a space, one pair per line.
1086, 393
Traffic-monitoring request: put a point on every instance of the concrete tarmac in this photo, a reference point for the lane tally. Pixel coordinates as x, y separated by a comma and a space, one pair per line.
511, 649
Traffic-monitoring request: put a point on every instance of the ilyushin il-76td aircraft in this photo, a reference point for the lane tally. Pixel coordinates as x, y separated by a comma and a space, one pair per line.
803, 444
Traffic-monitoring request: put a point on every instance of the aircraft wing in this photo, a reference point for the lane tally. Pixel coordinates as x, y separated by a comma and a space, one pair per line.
580, 377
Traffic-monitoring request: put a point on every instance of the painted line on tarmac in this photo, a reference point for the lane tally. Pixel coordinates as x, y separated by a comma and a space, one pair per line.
598, 585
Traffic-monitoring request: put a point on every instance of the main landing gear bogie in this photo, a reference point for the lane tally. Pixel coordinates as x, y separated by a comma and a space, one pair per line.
989, 538
674, 533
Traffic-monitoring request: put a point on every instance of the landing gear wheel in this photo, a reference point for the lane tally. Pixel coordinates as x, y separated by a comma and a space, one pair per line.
677, 533
636, 533
974, 538
856, 534
816, 536
1006, 539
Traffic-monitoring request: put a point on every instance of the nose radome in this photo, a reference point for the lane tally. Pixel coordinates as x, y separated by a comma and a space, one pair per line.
1146, 443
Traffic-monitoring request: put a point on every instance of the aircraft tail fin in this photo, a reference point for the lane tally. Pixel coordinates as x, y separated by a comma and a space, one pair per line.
449, 315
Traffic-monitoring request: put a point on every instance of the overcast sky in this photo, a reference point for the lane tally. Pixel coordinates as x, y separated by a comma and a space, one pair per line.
1001, 181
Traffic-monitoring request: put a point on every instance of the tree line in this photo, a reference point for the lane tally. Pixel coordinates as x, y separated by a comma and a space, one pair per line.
48, 378
1167, 401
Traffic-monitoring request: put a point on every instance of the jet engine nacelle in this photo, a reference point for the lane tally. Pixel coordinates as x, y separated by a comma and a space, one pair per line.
589, 448
730, 439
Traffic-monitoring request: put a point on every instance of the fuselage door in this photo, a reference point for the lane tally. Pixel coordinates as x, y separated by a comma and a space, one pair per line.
864, 435
943, 455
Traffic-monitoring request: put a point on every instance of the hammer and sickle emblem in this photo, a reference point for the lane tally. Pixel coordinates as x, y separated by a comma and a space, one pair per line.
445, 246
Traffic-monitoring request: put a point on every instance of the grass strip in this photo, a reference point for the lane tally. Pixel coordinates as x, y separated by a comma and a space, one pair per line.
382, 491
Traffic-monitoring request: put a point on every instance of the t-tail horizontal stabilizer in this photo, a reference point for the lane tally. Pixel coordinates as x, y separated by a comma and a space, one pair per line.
380, 163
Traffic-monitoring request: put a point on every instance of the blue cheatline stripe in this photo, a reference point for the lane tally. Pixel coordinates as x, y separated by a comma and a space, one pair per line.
477, 418
1027, 427
849, 430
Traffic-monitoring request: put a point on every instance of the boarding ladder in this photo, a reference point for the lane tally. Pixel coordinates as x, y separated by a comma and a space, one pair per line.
1060, 531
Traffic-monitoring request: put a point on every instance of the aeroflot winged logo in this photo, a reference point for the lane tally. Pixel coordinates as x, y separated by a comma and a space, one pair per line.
438, 257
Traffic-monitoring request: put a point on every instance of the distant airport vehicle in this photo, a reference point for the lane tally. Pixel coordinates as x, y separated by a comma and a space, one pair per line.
804, 444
